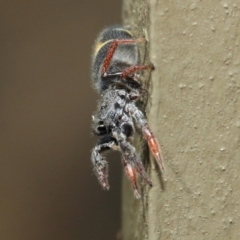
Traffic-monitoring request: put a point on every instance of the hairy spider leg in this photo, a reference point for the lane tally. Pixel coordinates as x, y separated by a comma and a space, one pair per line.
113, 48
140, 168
153, 145
99, 161
132, 157
147, 133
129, 154
131, 174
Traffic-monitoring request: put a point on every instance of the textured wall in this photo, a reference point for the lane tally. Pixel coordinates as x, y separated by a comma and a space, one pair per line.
194, 111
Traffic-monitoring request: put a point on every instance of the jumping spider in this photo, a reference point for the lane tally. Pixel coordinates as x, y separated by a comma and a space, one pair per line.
115, 69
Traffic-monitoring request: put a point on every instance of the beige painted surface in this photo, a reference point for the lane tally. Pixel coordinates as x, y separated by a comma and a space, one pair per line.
194, 111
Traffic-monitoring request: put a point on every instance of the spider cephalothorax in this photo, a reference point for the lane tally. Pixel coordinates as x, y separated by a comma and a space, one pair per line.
115, 67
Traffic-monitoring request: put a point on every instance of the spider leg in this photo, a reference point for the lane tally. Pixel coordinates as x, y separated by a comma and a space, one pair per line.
131, 173
128, 71
153, 145
129, 155
113, 48
147, 133
99, 162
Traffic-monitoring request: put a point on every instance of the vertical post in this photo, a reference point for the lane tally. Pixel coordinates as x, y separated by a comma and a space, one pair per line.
194, 110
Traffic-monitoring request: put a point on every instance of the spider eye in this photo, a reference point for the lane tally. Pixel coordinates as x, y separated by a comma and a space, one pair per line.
102, 129
103, 107
127, 130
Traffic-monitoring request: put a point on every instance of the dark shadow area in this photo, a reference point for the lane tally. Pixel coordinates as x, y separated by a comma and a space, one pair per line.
47, 186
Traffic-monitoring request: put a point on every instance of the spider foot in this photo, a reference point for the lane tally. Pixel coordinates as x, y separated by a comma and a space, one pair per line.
102, 175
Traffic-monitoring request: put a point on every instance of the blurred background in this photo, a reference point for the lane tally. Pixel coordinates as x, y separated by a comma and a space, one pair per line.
47, 186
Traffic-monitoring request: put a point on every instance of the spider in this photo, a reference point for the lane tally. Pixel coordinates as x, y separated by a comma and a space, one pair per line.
115, 75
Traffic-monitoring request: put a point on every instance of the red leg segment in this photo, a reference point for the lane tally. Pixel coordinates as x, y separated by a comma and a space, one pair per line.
154, 146
131, 173
133, 69
112, 49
